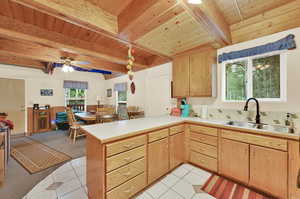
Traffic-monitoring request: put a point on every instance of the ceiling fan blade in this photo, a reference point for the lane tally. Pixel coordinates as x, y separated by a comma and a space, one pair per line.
81, 62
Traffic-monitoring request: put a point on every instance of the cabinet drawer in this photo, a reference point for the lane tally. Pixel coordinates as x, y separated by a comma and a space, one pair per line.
176, 129
204, 129
125, 158
206, 139
158, 135
274, 143
125, 145
128, 189
204, 149
204, 161
121, 175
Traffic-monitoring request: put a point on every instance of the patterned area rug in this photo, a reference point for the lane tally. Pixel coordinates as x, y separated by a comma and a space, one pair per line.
35, 156
222, 188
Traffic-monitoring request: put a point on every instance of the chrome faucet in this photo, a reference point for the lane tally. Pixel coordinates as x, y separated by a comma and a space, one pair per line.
257, 119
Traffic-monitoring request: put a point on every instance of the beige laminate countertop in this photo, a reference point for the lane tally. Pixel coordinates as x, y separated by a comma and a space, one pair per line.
109, 132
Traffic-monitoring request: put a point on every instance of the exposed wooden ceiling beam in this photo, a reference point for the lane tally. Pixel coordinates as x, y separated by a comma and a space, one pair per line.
139, 18
78, 12
210, 17
19, 61
41, 53
86, 19
14, 29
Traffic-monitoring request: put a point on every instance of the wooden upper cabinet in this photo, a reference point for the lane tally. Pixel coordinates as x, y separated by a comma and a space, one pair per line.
234, 160
201, 74
268, 169
176, 150
181, 76
158, 159
192, 74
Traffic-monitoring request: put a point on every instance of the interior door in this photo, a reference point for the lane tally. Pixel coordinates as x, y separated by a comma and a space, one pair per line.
234, 160
158, 159
12, 102
158, 95
268, 169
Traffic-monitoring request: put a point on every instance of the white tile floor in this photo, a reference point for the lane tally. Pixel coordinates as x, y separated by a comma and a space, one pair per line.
71, 184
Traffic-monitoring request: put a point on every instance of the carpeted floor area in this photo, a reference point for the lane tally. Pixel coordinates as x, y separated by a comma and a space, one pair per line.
18, 181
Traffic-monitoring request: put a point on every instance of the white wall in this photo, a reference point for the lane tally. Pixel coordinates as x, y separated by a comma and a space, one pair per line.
293, 74
153, 90
36, 80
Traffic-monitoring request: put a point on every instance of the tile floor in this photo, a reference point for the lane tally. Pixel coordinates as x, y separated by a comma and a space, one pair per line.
69, 182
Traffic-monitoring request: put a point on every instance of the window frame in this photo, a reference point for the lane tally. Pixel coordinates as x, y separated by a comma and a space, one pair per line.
249, 75
67, 97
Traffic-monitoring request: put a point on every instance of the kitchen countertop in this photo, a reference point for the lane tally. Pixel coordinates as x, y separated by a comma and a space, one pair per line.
108, 132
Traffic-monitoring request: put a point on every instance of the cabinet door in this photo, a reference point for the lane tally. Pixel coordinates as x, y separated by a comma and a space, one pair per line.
201, 73
181, 76
2, 165
268, 170
176, 150
158, 159
234, 160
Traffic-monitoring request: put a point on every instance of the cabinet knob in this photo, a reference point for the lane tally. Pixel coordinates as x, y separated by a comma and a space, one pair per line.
127, 159
127, 146
127, 174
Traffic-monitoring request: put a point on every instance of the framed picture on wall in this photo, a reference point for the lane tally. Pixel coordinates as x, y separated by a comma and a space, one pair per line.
46, 92
109, 92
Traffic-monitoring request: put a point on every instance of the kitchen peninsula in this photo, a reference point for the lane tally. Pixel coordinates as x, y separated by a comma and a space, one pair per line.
125, 157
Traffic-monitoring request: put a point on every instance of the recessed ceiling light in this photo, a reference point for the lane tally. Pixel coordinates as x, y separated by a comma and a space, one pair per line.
195, 1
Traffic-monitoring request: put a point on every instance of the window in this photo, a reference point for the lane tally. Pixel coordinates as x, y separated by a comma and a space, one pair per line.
262, 77
122, 96
76, 98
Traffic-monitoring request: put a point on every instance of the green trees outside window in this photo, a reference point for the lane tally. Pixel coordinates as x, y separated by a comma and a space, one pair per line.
256, 77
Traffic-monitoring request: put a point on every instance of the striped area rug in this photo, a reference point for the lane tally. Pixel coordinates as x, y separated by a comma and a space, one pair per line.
221, 188
35, 156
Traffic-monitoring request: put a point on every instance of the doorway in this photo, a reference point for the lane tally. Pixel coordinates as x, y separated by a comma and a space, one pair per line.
12, 102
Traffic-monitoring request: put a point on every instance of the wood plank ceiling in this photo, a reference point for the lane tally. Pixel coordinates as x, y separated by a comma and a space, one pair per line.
100, 31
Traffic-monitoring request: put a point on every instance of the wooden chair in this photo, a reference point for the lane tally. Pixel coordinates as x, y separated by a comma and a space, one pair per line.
74, 129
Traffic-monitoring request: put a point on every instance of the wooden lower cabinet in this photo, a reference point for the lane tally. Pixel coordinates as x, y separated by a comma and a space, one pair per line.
158, 159
204, 161
294, 170
234, 160
128, 189
268, 170
2, 165
176, 150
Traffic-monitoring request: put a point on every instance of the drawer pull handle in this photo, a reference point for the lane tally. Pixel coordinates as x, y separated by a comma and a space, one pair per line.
127, 174
128, 190
127, 159
127, 146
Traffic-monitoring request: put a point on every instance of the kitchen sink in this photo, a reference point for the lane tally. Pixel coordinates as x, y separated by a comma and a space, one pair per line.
267, 127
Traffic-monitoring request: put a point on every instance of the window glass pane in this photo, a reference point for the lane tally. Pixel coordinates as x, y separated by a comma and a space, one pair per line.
72, 92
266, 77
81, 93
122, 96
236, 80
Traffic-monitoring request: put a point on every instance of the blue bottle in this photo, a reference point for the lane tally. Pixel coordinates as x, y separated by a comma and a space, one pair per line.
185, 108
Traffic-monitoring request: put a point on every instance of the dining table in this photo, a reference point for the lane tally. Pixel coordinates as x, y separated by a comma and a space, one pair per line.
91, 118
87, 117
133, 114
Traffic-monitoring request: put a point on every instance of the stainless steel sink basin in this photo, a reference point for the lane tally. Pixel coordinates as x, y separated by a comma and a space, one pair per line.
268, 127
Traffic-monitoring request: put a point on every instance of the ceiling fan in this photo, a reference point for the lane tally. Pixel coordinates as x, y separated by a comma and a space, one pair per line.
68, 64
